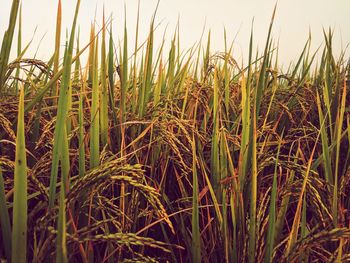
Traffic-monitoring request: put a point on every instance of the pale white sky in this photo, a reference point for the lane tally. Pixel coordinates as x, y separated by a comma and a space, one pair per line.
292, 23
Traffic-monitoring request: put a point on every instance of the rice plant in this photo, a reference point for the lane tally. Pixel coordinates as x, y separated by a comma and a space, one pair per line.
179, 156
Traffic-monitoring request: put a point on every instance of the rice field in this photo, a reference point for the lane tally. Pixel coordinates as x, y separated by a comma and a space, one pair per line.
179, 156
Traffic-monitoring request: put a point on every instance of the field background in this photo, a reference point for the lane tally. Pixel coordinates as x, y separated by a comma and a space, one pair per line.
131, 149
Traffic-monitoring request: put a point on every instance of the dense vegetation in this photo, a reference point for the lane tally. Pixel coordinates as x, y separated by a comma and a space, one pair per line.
177, 157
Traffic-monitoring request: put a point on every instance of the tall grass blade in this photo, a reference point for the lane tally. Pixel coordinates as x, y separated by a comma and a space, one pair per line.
61, 242
19, 46
111, 78
325, 146
262, 72
196, 248
215, 165
57, 47
95, 108
5, 220
147, 77
20, 206
124, 74
272, 212
253, 193
81, 136
339, 129
7, 43
62, 111
104, 89
134, 75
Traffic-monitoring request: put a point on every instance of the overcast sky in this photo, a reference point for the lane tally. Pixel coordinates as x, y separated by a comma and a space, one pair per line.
292, 23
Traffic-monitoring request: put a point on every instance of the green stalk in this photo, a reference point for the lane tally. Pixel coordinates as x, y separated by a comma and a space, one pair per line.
215, 165
7, 43
81, 135
91, 54
134, 84
272, 212
5, 220
262, 74
104, 90
61, 249
124, 80
325, 146
227, 77
19, 45
111, 78
61, 241
77, 62
57, 47
20, 207
69, 108
253, 193
62, 112
339, 125
244, 157
206, 60
187, 87
196, 248
303, 228
171, 69
147, 77
159, 85
95, 122
234, 230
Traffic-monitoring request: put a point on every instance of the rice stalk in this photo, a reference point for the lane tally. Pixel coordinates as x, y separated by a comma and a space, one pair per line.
20, 206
